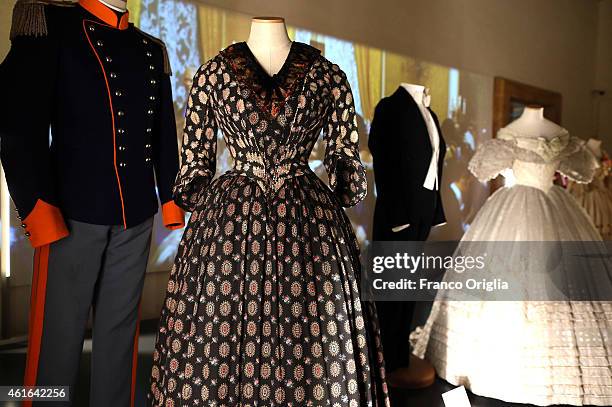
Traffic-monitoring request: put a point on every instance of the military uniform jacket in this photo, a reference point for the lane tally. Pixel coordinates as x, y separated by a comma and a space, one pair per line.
101, 89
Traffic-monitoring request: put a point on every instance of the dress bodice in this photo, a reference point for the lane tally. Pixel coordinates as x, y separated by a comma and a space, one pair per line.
534, 160
271, 123
536, 175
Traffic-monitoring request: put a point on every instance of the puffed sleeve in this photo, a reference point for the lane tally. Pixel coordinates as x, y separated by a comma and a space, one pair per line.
199, 148
347, 177
580, 165
491, 158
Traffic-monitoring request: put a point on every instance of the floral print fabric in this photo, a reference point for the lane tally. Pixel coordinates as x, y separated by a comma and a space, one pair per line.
263, 305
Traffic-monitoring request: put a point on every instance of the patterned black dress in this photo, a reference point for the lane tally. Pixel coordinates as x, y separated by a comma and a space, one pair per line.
263, 304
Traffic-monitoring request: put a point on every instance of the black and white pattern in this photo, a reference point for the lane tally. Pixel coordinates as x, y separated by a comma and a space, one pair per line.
263, 305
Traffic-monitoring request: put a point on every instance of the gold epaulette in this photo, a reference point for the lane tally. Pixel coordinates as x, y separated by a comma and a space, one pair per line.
167, 68
29, 18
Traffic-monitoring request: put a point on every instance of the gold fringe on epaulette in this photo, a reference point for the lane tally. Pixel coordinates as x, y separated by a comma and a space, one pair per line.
29, 19
167, 67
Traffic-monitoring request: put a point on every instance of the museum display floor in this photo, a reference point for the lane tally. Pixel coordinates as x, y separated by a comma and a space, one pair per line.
12, 363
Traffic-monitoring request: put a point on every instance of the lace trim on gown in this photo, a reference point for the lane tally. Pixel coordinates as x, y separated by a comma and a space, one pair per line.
496, 155
271, 91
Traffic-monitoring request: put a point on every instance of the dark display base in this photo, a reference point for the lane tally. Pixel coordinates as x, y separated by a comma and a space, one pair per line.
12, 363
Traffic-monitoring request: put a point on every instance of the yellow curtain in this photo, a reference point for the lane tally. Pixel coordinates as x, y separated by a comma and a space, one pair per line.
437, 80
400, 68
135, 6
369, 74
291, 31
212, 31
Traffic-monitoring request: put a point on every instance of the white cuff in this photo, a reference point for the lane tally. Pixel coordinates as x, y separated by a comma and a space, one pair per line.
400, 228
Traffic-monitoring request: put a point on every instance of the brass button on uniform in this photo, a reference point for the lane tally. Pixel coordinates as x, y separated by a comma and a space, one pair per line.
118, 93
28, 234
109, 59
149, 54
92, 28
120, 113
113, 75
23, 225
99, 43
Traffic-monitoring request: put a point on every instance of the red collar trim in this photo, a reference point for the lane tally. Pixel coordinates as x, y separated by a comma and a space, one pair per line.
105, 14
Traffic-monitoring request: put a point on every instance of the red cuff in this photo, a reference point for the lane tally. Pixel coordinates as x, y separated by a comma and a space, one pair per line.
45, 224
173, 216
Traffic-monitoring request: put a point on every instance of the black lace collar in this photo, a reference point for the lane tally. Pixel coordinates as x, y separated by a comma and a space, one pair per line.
271, 91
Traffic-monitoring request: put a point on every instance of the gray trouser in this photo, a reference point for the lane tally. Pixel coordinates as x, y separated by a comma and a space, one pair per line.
100, 268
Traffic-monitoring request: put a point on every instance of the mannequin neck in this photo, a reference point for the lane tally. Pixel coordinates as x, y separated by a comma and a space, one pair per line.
416, 91
533, 114
532, 123
269, 42
115, 5
268, 32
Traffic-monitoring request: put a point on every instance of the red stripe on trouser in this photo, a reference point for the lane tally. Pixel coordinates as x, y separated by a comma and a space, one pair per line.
135, 359
37, 313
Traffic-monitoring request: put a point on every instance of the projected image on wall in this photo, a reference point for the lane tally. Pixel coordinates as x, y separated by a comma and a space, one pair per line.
462, 100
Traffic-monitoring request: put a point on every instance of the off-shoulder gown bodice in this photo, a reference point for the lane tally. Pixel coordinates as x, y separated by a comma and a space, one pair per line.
532, 352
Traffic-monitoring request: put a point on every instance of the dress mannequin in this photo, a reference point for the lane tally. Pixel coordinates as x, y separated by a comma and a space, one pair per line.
117, 5
403, 125
533, 124
119, 77
269, 42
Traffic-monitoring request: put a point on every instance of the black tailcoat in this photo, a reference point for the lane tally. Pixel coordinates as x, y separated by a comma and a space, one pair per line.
401, 151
